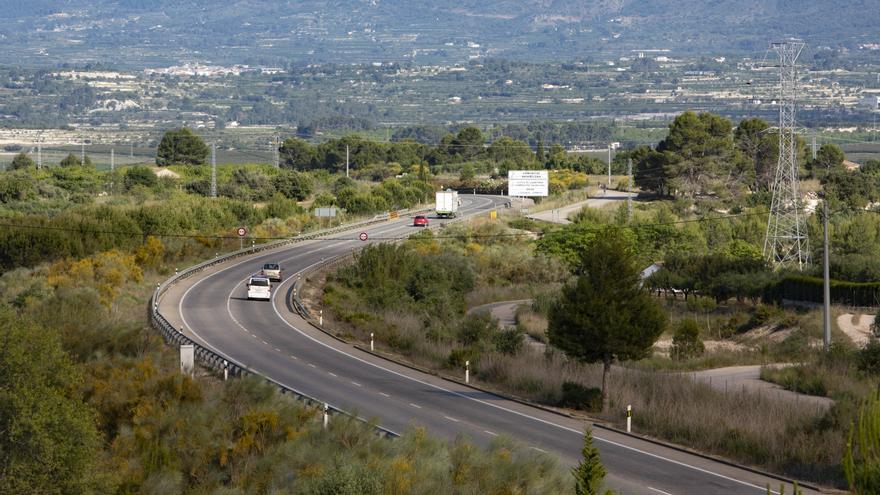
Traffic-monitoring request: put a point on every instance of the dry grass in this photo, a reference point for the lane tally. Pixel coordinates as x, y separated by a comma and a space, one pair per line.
564, 199
780, 436
532, 323
535, 375
748, 427
485, 295
777, 435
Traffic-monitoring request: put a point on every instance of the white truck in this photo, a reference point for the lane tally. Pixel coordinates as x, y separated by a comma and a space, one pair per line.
447, 203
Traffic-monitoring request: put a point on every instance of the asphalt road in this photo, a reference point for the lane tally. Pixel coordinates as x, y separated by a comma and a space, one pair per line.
560, 215
503, 311
271, 339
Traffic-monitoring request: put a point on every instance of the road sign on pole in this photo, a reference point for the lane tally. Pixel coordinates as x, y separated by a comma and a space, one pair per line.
529, 183
241, 233
363, 236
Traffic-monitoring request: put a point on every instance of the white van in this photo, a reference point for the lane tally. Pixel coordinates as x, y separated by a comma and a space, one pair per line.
259, 288
272, 271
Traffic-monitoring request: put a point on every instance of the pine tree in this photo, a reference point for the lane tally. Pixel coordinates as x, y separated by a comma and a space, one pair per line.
589, 474
181, 146
22, 161
606, 314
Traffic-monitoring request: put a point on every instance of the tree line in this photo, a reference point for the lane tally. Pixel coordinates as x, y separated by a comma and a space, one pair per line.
703, 155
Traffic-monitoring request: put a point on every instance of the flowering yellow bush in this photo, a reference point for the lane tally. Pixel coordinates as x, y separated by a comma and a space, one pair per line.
105, 272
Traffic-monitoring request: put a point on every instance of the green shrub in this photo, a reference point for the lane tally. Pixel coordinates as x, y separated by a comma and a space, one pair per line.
523, 223
458, 357
476, 328
200, 187
868, 358
734, 325
801, 379
788, 321
139, 176
763, 314
347, 480
509, 341
293, 185
577, 396
686, 342
861, 461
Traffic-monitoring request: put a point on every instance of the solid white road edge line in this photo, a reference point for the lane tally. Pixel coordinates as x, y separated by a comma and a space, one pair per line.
550, 423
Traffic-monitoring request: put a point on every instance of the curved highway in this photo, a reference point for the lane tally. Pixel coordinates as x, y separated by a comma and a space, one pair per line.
271, 339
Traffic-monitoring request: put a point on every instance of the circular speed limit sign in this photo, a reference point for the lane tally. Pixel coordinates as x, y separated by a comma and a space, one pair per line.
242, 231
363, 236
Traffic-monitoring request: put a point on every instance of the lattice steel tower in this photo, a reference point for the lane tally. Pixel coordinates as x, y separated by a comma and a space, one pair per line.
786, 243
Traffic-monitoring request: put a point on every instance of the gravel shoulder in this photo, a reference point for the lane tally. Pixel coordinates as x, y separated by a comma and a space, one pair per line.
856, 327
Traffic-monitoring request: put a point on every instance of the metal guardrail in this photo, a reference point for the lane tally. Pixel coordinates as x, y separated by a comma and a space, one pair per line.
218, 362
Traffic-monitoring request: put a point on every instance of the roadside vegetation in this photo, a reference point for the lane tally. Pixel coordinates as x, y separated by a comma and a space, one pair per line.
91, 245
423, 319
94, 403
705, 229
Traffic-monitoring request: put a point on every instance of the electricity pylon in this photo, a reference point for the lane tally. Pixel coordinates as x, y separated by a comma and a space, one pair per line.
786, 243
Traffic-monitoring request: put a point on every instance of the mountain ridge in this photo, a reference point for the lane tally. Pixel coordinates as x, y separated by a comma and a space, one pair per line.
161, 32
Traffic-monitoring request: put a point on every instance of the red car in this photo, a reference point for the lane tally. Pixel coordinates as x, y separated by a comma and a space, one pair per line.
420, 221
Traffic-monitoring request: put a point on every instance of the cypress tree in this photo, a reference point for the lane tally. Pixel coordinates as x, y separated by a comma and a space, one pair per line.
589, 474
540, 156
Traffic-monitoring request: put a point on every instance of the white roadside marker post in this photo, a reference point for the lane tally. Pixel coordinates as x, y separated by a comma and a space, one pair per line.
321, 318
326, 415
467, 371
372, 347
629, 418
225, 370
187, 359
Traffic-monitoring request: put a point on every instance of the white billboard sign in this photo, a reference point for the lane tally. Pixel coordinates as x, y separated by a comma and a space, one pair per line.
528, 183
